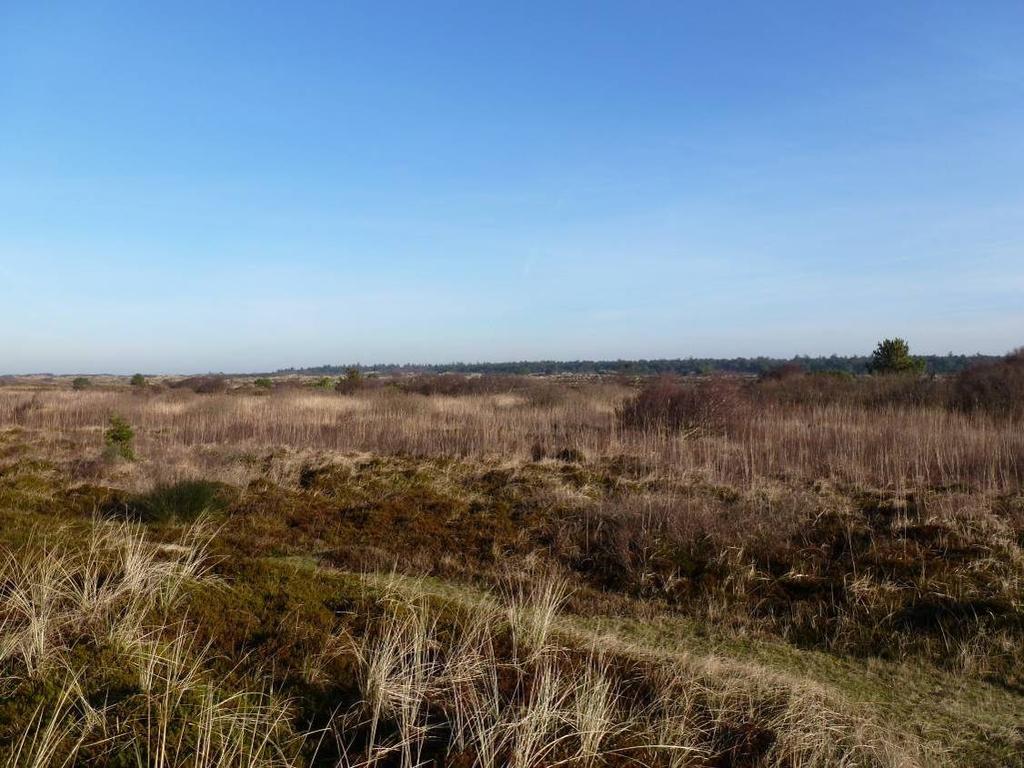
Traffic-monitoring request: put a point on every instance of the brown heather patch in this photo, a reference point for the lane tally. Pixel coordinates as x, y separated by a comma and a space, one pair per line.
933, 576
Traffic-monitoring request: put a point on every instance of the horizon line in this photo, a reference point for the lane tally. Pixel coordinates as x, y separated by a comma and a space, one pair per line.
488, 363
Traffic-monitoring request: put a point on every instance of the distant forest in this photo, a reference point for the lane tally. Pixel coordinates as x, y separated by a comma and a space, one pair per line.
938, 364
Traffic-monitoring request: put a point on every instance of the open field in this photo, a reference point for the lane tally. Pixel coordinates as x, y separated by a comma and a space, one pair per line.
511, 571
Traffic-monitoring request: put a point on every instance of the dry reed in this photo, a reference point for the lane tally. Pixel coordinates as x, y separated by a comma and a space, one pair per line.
898, 448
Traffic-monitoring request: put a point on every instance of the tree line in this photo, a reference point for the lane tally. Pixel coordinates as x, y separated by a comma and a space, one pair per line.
853, 364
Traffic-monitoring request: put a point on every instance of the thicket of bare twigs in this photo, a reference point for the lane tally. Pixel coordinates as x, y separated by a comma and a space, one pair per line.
997, 388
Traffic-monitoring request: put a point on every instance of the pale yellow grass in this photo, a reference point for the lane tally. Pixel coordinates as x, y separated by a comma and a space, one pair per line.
581, 713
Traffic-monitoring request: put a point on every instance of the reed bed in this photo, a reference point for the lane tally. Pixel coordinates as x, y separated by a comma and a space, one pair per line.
899, 448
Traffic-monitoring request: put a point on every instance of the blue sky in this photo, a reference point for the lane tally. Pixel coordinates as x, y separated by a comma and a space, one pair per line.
246, 186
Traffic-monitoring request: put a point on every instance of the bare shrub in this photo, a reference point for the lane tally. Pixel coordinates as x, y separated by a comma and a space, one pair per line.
457, 384
538, 392
994, 388
203, 385
672, 547
807, 388
792, 387
543, 394
711, 405
784, 372
351, 382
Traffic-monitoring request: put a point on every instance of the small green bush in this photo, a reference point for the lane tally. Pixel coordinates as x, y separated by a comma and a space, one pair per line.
263, 383
80, 382
138, 380
119, 437
324, 382
350, 382
183, 501
893, 356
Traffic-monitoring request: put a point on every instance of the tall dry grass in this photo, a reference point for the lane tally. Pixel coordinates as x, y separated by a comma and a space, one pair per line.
896, 447
114, 596
444, 691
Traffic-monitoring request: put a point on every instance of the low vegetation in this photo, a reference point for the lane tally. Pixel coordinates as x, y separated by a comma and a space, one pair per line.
801, 569
996, 388
118, 438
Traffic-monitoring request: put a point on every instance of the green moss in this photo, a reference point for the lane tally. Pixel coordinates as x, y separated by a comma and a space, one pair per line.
28, 485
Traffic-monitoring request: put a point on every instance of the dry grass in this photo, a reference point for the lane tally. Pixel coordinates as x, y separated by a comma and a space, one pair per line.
56, 592
853, 527
115, 594
439, 690
900, 448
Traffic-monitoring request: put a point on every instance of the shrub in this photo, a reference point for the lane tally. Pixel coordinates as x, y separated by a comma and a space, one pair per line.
544, 394
138, 380
324, 382
996, 388
537, 391
838, 388
571, 455
455, 384
183, 501
808, 389
350, 382
80, 383
263, 383
203, 385
784, 372
893, 356
715, 404
902, 391
119, 437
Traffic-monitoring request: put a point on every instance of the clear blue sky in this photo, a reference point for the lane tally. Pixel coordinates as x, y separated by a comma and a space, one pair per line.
197, 186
